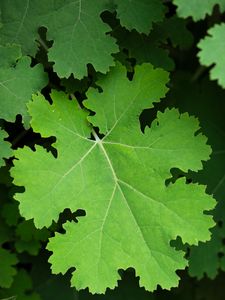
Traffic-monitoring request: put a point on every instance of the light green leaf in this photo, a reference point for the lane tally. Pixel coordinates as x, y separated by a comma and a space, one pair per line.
118, 180
139, 15
76, 28
212, 52
18, 81
197, 9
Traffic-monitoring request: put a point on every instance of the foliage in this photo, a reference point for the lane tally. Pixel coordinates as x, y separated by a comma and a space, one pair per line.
112, 149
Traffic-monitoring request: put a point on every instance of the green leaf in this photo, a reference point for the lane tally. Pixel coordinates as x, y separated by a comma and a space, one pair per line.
5, 232
7, 271
144, 48
167, 30
139, 15
18, 81
10, 213
127, 211
212, 52
29, 237
76, 28
197, 9
21, 288
5, 150
154, 47
204, 259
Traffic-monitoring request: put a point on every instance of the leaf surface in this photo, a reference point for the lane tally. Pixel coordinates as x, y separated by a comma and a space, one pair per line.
118, 180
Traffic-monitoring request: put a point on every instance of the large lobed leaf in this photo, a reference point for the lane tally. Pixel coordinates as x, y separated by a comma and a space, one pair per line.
119, 180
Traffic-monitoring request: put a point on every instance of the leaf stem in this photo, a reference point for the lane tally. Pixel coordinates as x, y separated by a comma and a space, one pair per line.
200, 70
95, 136
43, 44
97, 139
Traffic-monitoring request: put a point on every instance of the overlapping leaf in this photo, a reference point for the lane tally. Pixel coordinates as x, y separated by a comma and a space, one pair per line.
98, 176
29, 238
153, 48
18, 81
139, 15
205, 258
76, 28
212, 52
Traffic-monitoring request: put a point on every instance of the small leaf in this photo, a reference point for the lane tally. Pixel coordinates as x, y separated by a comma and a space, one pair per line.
212, 52
18, 81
